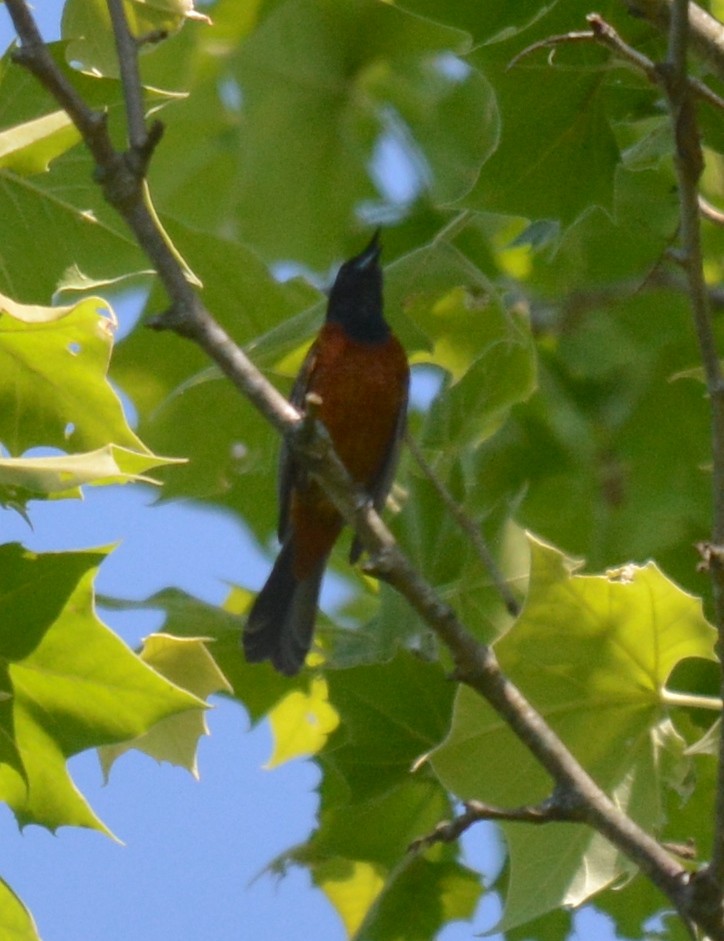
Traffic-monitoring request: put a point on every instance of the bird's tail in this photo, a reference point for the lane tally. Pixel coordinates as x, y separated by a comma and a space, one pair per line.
281, 621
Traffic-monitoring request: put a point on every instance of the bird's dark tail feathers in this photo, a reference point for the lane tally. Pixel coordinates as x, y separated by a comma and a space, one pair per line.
281, 621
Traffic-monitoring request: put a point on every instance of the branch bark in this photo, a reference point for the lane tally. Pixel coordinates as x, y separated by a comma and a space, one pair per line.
706, 38
122, 178
689, 163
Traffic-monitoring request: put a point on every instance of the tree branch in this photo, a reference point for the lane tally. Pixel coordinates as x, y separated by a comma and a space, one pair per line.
475, 663
706, 35
604, 34
689, 162
553, 810
127, 50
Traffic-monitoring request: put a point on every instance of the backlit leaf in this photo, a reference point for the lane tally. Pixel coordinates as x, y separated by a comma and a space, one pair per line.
56, 647
187, 663
53, 363
589, 652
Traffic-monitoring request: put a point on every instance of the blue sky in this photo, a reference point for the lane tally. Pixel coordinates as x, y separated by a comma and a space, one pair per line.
191, 849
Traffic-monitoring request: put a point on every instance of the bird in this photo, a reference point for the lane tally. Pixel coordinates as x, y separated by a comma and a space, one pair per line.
357, 370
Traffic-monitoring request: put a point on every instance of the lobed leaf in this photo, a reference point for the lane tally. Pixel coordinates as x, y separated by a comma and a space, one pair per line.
187, 663
23, 479
591, 653
16, 922
53, 363
54, 649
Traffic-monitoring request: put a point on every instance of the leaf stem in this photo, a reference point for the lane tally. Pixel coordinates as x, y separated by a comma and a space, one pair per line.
691, 701
469, 527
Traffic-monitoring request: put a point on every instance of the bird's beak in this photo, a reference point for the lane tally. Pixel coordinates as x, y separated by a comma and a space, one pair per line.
370, 254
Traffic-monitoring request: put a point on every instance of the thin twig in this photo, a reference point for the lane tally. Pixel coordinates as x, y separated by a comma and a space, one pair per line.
706, 37
127, 49
604, 34
550, 811
471, 530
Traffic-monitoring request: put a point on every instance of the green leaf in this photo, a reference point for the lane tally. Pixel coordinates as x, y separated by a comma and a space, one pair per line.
87, 25
453, 318
50, 221
360, 859
30, 147
589, 652
23, 479
554, 131
424, 893
380, 829
54, 649
309, 76
53, 363
258, 686
390, 715
301, 723
16, 922
486, 21
228, 459
187, 663
446, 113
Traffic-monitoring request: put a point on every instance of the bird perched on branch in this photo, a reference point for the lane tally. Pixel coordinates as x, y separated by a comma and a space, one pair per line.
358, 373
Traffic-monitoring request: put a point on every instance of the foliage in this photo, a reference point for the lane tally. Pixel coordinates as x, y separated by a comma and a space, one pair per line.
527, 275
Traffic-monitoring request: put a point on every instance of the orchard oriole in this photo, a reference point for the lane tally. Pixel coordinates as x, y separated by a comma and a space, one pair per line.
359, 371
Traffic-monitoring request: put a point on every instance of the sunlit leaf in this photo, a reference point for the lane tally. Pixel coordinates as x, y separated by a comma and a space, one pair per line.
29, 148
87, 26
187, 663
590, 652
301, 723
424, 893
54, 648
351, 886
16, 922
26, 478
53, 363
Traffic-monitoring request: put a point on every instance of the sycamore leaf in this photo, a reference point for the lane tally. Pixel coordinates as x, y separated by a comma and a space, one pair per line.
26, 478
351, 885
16, 922
301, 723
190, 666
485, 21
52, 220
593, 654
355, 857
554, 131
423, 893
320, 103
53, 365
452, 317
74, 684
86, 23
390, 713
257, 686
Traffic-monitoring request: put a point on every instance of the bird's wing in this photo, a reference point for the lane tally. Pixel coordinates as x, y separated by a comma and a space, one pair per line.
382, 483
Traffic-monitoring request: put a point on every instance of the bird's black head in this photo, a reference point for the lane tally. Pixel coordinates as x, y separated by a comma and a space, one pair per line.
355, 301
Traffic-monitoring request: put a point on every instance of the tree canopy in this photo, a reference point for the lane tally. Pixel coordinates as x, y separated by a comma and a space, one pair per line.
545, 177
